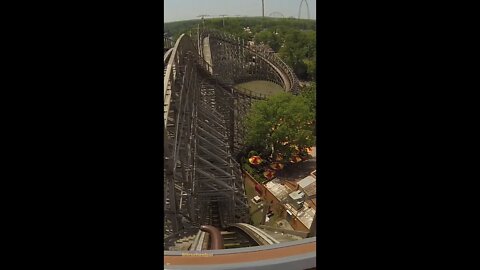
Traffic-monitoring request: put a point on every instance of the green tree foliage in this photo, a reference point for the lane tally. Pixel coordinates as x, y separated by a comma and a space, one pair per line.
280, 124
299, 52
311, 68
269, 37
180, 27
310, 94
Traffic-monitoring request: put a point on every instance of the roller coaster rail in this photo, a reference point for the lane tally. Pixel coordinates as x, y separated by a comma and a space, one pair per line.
203, 125
290, 83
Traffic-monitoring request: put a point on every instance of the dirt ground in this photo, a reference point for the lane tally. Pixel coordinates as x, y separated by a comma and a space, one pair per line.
262, 87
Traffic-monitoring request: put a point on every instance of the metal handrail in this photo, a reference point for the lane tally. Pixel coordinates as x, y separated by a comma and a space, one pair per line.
216, 239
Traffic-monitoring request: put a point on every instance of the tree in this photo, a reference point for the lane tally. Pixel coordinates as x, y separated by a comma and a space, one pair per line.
311, 64
309, 92
270, 38
311, 56
280, 125
294, 51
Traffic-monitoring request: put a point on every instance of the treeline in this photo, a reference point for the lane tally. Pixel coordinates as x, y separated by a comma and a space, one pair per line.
294, 40
296, 47
175, 29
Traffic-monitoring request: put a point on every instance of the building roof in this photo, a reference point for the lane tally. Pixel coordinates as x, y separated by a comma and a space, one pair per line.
291, 186
277, 189
313, 151
312, 203
296, 195
311, 190
306, 181
305, 214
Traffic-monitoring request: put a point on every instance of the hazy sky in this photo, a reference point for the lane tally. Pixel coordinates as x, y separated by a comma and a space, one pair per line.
180, 10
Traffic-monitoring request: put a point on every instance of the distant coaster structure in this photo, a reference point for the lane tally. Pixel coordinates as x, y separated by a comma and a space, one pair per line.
276, 14
300, 9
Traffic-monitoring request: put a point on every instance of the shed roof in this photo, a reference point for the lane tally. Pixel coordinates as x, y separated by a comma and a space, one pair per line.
306, 181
